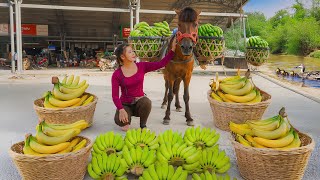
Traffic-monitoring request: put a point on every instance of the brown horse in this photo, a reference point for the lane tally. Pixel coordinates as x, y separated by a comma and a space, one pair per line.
181, 66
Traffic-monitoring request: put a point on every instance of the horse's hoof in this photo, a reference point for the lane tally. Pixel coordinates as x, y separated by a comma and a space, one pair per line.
166, 122
163, 106
190, 123
179, 109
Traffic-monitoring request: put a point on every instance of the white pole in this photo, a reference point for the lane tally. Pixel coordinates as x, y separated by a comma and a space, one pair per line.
138, 12
131, 16
20, 37
244, 31
13, 63
17, 35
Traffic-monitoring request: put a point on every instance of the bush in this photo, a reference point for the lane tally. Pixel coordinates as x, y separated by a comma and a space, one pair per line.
315, 54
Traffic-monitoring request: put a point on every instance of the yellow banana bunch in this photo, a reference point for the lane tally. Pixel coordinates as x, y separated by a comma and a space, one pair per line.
68, 93
235, 89
55, 139
275, 132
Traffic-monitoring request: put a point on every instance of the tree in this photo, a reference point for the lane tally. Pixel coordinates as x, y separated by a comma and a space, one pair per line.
280, 18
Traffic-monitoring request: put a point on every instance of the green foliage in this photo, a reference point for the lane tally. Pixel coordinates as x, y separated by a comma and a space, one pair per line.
315, 54
297, 33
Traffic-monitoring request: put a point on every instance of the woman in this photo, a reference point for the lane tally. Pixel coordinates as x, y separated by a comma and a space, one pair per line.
129, 77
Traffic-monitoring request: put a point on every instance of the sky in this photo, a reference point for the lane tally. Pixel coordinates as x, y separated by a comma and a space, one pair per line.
270, 7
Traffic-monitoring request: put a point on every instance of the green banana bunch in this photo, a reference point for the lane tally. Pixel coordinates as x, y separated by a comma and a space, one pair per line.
170, 136
137, 159
142, 138
257, 41
163, 171
207, 176
200, 138
179, 154
108, 143
210, 30
103, 166
214, 160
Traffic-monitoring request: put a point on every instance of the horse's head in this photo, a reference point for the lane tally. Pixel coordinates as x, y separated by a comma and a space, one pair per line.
187, 34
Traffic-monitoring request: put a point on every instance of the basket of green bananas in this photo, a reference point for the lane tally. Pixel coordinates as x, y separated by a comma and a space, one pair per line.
210, 43
67, 102
257, 51
271, 148
147, 40
56, 151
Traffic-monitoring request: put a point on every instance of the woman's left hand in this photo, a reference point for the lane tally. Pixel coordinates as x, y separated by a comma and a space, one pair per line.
174, 43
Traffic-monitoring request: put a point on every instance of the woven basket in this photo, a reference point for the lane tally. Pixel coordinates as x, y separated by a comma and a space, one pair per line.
210, 48
265, 163
67, 115
71, 166
257, 56
224, 112
146, 48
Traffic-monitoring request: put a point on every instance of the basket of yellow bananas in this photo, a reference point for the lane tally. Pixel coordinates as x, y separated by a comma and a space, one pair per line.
56, 151
236, 99
67, 102
271, 148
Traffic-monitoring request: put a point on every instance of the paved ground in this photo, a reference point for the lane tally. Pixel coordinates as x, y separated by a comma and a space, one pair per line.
19, 117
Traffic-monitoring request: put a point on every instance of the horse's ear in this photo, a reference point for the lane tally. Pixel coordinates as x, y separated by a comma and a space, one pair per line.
198, 11
178, 11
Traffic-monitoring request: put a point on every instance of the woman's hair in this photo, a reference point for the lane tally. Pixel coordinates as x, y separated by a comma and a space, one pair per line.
119, 51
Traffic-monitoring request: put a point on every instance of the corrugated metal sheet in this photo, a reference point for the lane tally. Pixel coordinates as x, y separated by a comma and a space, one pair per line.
105, 24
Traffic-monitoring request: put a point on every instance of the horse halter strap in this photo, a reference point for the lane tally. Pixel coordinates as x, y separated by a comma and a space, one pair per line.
193, 36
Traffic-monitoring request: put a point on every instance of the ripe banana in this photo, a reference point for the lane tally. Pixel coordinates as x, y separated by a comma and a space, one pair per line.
73, 87
278, 143
54, 132
73, 143
63, 104
87, 101
223, 97
238, 92
264, 122
81, 124
268, 127
236, 86
295, 143
241, 140
47, 104
73, 95
82, 99
216, 97
257, 99
43, 149
75, 81
70, 80
252, 142
240, 129
275, 134
243, 98
48, 140
28, 150
80, 145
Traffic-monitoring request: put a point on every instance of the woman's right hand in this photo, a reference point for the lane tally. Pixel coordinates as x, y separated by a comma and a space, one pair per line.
123, 116
173, 44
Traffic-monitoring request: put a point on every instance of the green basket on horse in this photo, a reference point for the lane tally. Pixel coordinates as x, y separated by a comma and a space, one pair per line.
209, 48
257, 55
146, 47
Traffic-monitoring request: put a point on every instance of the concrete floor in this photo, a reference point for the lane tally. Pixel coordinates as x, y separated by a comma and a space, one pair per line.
19, 117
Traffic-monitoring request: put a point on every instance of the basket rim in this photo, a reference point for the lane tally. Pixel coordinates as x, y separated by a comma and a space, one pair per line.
211, 37
211, 100
95, 100
14, 154
260, 48
146, 37
270, 151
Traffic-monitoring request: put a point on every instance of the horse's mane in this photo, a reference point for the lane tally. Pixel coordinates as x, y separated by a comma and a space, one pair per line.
188, 14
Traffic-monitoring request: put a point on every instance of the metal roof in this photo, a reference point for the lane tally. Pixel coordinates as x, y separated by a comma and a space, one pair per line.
105, 24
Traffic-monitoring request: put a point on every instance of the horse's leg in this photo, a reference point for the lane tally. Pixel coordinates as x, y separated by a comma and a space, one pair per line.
166, 119
165, 98
176, 88
186, 97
